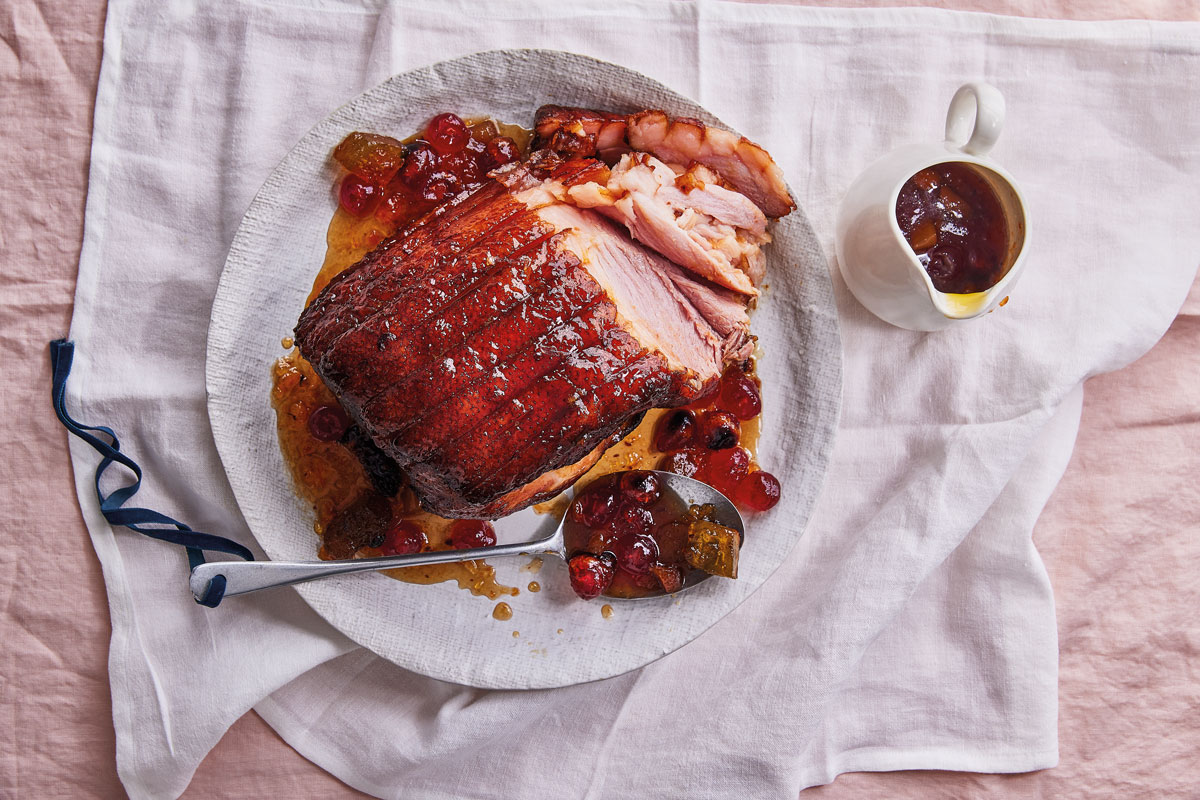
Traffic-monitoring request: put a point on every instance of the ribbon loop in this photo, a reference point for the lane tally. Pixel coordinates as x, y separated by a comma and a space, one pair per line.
62, 354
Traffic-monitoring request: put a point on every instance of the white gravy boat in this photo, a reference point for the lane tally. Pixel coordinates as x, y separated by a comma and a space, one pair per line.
880, 267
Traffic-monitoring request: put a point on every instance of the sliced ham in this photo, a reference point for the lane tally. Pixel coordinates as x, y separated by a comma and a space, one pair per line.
686, 217
681, 142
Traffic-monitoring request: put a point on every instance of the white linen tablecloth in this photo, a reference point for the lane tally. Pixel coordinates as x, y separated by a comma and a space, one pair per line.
912, 626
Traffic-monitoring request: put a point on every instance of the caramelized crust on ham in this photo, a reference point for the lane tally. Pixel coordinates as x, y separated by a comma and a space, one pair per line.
495, 347
680, 142
580, 132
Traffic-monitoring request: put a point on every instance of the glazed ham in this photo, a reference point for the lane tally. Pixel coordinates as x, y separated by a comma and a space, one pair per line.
680, 142
497, 346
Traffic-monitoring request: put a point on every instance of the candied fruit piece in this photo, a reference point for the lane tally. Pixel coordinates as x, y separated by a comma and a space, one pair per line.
484, 131
357, 196
447, 133
463, 166
419, 165
725, 468
372, 157
923, 237
590, 575
675, 431
641, 486
442, 186
633, 519
712, 548
404, 537
467, 533
670, 576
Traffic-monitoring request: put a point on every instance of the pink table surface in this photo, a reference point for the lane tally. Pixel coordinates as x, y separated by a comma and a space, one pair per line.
1120, 537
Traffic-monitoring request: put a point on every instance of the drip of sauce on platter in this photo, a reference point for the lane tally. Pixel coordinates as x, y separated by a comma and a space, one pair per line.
502, 612
606, 611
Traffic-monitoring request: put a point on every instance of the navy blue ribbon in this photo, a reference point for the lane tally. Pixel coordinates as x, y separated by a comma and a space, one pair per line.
62, 353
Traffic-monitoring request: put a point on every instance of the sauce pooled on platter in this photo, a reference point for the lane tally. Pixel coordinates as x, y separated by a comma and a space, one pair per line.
953, 221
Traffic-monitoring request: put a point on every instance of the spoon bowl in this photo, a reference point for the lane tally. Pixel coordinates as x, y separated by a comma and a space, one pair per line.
243, 577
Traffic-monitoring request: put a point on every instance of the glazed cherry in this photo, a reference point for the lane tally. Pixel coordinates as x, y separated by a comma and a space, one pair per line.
590, 575
726, 468
758, 491
594, 509
739, 395
441, 186
635, 553
465, 533
357, 196
502, 150
403, 537
419, 164
464, 166
719, 430
447, 133
641, 486
328, 423
633, 520
675, 431
684, 462
398, 205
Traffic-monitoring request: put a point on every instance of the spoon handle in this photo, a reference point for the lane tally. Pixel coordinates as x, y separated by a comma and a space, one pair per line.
242, 577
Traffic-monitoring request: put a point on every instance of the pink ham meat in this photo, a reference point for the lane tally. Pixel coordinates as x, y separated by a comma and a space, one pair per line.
689, 218
680, 142
497, 346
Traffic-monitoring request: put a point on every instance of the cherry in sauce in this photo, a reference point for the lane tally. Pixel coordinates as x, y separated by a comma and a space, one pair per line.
704, 441
401, 181
640, 550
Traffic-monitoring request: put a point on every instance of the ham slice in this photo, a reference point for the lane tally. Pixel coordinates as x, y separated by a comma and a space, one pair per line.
680, 142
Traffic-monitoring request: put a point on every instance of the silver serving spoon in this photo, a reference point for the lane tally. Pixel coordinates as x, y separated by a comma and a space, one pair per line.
242, 577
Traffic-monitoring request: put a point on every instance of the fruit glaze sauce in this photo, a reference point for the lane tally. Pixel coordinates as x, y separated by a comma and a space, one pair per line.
364, 511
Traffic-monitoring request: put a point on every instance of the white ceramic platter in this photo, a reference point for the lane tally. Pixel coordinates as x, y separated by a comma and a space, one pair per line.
440, 630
